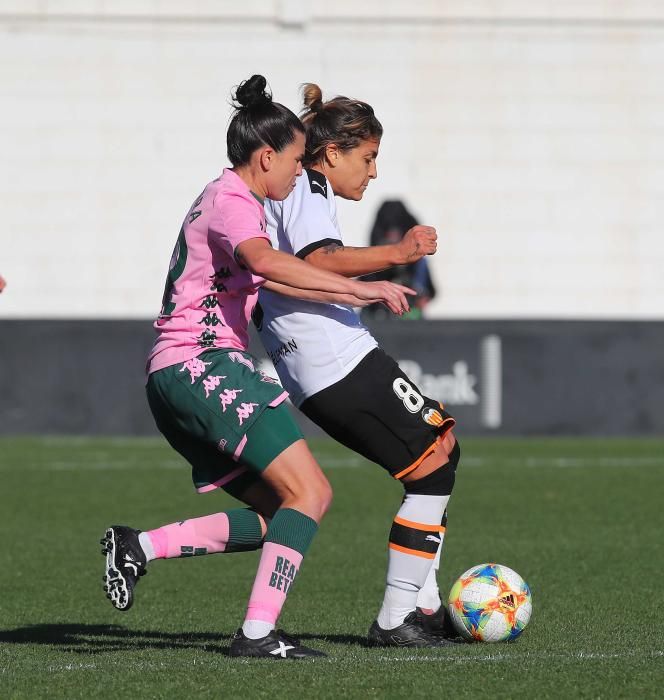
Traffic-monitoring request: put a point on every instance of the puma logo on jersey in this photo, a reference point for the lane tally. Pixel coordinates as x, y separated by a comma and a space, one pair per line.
317, 182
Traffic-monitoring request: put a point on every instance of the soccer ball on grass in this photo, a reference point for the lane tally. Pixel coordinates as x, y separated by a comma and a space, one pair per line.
490, 603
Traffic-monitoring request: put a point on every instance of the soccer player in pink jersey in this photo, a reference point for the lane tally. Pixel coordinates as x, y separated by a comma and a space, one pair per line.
209, 400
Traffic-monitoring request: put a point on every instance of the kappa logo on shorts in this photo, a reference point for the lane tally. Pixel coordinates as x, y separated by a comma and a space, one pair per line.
195, 367
227, 397
239, 357
432, 417
211, 383
244, 410
267, 378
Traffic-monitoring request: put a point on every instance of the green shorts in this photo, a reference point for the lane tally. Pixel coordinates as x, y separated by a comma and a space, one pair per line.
228, 419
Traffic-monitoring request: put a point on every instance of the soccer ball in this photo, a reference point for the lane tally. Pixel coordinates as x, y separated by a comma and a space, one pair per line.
490, 603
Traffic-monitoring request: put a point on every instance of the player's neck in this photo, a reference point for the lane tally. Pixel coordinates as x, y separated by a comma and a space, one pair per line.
323, 170
251, 179
318, 167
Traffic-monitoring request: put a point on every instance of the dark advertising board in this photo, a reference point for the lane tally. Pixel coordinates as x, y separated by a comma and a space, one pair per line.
495, 377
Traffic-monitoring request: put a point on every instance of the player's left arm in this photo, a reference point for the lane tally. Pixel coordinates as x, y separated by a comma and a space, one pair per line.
353, 262
315, 295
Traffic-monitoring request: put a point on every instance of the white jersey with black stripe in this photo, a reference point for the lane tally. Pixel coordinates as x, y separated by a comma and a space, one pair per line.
312, 345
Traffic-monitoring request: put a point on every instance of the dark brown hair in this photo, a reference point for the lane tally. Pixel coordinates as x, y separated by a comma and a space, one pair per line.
341, 121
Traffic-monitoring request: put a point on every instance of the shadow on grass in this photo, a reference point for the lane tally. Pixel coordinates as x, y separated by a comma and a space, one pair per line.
91, 639
97, 639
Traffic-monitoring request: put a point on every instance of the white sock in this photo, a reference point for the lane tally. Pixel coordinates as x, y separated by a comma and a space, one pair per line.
428, 597
407, 573
256, 629
146, 545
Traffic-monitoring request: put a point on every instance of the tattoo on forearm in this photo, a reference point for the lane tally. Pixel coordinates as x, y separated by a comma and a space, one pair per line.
332, 248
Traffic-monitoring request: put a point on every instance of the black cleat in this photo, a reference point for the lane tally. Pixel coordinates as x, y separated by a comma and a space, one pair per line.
277, 645
438, 623
125, 563
409, 633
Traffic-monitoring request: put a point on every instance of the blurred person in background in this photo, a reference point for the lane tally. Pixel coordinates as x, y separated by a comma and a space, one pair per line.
209, 400
339, 377
393, 221
3, 284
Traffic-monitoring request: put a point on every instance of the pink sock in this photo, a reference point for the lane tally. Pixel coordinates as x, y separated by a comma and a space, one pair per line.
276, 572
206, 535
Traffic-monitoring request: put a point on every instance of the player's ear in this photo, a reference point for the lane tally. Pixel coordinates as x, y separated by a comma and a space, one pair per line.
266, 158
332, 154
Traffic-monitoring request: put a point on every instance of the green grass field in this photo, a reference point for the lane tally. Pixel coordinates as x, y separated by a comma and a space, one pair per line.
581, 520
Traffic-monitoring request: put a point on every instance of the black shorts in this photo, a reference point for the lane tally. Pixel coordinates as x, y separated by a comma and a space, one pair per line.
379, 413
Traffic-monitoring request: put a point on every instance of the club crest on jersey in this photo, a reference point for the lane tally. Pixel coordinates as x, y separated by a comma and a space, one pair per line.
432, 416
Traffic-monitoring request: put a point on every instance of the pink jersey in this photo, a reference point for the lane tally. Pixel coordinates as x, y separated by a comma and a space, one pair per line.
209, 298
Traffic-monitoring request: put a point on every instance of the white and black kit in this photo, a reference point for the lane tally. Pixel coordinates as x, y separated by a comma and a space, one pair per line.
328, 360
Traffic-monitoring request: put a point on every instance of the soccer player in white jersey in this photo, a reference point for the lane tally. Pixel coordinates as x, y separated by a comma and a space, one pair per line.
336, 373
208, 397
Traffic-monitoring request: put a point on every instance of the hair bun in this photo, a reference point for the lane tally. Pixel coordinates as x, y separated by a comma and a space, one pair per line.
252, 92
312, 97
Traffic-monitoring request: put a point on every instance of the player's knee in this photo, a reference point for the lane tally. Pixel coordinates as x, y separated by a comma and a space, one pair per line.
438, 483
319, 497
325, 496
309, 493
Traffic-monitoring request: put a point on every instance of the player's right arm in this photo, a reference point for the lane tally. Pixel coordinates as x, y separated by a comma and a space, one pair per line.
308, 219
258, 256
353, 262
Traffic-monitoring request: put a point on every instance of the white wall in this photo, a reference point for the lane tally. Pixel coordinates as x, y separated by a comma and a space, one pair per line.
531, 134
